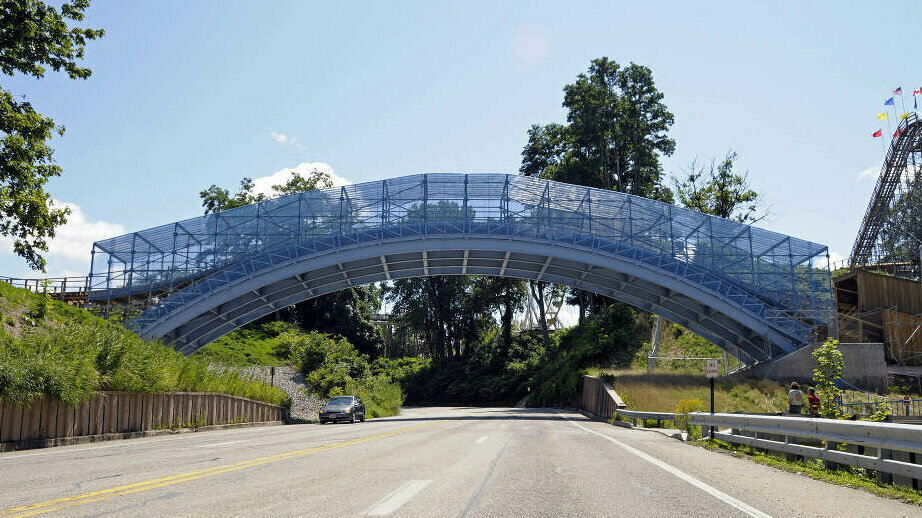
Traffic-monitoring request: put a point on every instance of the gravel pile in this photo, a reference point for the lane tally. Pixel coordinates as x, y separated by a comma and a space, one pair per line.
304, 404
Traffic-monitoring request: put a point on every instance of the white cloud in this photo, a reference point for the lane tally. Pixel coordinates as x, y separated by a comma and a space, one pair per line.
874, 171
531, 43
264, 184
69, 251
282, 138
870, 172
836, 259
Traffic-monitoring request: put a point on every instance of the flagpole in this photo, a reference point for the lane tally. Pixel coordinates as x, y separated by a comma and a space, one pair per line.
903, 102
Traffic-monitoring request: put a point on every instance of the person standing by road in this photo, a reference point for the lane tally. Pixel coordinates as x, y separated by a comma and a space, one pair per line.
795, 398
814, 401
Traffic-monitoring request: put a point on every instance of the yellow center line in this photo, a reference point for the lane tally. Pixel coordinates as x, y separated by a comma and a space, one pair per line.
104, 494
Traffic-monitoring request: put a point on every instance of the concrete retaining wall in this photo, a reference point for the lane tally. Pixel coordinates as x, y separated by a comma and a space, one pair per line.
125, 413
865, 366
599, 398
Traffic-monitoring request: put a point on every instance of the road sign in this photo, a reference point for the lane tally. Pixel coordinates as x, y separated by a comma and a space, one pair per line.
712, 367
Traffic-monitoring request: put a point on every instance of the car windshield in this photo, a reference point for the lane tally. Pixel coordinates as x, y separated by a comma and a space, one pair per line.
340, 401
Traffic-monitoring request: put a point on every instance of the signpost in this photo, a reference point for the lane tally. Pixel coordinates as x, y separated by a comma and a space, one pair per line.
712, 370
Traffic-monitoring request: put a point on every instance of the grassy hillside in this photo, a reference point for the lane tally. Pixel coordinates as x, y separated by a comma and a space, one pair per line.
49, 348
662, 392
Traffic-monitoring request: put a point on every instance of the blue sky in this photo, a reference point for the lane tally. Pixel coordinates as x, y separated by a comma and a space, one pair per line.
187, 94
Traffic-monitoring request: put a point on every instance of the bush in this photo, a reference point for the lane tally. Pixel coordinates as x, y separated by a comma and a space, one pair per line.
828, 371
682, 421
381, 396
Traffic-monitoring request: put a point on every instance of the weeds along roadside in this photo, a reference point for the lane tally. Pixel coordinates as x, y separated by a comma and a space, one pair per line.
48, 348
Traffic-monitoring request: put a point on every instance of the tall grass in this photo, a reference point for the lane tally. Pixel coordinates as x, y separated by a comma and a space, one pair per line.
663, 392
72, 358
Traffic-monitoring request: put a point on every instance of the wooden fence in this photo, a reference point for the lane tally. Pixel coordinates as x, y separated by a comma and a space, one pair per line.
599, 398
127, 412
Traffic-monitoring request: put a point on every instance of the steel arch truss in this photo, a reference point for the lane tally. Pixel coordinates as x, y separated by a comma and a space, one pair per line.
755, 293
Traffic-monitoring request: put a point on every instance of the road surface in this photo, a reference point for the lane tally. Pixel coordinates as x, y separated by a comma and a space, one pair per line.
426, 462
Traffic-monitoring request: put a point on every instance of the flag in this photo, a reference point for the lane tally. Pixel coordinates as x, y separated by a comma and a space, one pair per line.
903, 116
889, 102
898, 91
882, 116
916, 92
915, 103
896, 134
877, 133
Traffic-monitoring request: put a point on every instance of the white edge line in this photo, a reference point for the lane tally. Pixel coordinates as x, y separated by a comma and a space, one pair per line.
713, 491
398, 498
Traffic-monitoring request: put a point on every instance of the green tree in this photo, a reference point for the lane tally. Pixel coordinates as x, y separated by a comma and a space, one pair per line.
33, 36
217, 198
720, 191
829, 369
617, 130
901, 234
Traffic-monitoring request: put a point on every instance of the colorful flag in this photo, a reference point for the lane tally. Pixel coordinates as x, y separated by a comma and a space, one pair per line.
896, 134
877, 133
903, 116
915, 103
916, 92
882, 116
889, 102
898, 91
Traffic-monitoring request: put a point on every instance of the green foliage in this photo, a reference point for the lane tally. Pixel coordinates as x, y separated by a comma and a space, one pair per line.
848, 476
381, 396
72, 355
215, 199
34, 35
453, 313
346, 313
262, 344
883, 413
683, 421
617, 129
829, 369
719, 191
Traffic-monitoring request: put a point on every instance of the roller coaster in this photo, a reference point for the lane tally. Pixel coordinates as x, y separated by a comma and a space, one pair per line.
890, 235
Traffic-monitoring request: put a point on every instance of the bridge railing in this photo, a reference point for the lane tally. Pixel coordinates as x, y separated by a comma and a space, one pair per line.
60, 288
889, 448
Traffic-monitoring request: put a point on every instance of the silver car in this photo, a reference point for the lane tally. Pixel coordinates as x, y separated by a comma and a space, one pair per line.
342, 408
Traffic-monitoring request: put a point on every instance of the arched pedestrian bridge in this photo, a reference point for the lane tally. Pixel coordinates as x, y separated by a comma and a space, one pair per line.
755, 293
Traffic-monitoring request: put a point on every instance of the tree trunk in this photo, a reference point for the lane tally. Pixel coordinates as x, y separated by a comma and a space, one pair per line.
537, 293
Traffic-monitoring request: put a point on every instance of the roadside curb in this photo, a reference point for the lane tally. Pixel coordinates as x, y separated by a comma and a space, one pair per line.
87, 439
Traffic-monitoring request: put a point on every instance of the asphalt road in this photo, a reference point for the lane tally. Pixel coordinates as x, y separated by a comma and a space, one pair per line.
427, 462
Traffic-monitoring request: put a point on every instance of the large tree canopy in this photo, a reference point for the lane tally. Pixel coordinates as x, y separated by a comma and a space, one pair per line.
617, 129
33, 36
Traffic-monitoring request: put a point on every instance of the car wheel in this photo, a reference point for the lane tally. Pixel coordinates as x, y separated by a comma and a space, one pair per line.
352, 418
363, 418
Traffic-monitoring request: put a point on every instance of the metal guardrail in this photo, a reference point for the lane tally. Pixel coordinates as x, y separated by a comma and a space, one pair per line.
886, 440
635, 415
